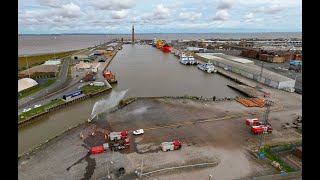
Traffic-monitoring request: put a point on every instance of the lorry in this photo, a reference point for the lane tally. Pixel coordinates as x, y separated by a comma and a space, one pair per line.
72, 94
261, 129
170, 146
113, 136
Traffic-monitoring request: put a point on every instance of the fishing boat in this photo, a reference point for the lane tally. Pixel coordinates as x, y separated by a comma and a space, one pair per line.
207, 67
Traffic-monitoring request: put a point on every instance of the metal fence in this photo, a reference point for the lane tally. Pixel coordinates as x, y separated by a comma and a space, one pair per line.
295, 175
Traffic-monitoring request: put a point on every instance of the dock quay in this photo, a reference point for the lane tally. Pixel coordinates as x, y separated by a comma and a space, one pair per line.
249, 91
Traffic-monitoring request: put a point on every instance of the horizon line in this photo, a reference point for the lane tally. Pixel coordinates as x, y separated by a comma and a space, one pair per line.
158, 33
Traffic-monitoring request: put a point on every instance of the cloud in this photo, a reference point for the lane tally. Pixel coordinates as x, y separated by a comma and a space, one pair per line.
192, 16
221, 15
159, 12
70, 11
248, 17
113, 4
50, 3
272, 9
119, 14
226, 4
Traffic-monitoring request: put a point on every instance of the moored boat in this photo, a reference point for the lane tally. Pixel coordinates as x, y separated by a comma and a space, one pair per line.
207, 67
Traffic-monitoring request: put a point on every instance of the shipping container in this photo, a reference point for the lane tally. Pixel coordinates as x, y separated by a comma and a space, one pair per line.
97, 150
73, 94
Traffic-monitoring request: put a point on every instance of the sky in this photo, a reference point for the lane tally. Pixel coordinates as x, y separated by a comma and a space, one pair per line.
158, 16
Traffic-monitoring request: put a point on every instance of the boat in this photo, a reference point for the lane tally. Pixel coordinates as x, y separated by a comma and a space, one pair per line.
166, 48
183, 59
207, 67
191, 60
159, 44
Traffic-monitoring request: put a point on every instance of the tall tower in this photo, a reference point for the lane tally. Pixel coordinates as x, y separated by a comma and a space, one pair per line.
132, 34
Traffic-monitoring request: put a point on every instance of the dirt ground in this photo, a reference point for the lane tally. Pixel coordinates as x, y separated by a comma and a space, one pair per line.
210, 132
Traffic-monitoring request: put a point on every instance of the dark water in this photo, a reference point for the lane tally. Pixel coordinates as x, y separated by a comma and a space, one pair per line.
145, 71
35, 44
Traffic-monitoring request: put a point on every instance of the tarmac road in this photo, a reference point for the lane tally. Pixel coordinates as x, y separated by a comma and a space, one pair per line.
61, 79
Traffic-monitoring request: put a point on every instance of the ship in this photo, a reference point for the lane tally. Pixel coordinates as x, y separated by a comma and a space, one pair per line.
159, 44
166, 48
207, 67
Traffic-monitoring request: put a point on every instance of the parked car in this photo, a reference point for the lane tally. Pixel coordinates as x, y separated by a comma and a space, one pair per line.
26, 110
138, 132
37, 105
54, 99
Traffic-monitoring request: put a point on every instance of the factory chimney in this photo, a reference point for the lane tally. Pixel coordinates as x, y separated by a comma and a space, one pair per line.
132, 34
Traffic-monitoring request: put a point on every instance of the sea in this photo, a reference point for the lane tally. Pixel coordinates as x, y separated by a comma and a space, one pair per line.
42, 44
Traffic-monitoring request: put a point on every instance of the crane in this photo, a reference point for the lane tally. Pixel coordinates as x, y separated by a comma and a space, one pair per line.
266, 119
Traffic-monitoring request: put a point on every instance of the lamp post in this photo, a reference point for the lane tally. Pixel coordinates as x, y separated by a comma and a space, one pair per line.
108, 169
27, 66
210, 176
54, 52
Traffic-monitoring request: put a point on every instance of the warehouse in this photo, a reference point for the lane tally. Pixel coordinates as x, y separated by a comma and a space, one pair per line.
26, 83
251, 71
41, 71
196, 49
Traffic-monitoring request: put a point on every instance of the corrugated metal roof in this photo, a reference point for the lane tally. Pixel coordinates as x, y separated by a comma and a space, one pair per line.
250, 68
233, 58
26, 83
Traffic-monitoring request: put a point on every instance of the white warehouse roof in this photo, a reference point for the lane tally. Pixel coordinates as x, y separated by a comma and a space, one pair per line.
26, 83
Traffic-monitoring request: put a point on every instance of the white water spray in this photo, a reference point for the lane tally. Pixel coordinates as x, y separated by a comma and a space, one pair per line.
106, 105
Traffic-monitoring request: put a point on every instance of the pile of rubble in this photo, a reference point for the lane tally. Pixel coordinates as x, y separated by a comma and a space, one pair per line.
296, 123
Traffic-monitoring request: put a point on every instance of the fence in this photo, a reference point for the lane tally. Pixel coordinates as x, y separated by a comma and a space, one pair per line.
297, 174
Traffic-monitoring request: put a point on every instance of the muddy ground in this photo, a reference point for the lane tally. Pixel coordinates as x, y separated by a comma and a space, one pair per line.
210, 132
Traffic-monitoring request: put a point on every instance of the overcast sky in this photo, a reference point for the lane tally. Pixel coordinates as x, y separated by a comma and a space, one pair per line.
158, 16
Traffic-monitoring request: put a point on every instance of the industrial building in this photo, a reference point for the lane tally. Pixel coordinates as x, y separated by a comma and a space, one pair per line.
53, 62
249, 70
41, 71
196, 49
26, 83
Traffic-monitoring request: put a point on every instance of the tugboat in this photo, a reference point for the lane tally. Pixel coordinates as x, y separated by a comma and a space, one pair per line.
207, 67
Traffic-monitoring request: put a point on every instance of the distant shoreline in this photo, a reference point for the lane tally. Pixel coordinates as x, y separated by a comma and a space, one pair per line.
151, 33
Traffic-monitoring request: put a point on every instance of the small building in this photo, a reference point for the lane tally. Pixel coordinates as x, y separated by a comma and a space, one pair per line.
110, 49
53, 62
275, 59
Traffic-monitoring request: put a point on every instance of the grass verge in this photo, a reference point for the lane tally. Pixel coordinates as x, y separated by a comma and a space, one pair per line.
87, 89
274, 158
37, 88
38, 110
39, 59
